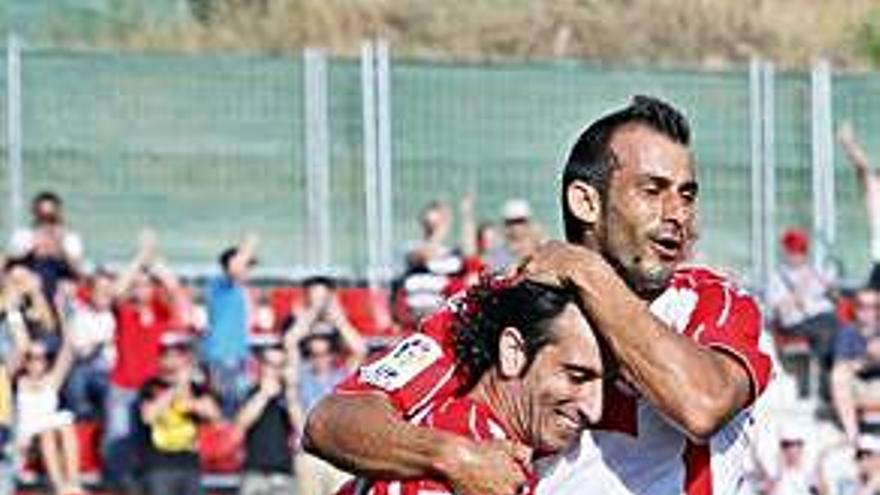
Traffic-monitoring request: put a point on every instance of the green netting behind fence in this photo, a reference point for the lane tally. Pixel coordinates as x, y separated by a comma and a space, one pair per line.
201, 149
856, 98
205, 148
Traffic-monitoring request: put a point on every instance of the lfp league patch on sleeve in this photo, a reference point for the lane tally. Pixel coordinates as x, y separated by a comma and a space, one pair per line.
409, 358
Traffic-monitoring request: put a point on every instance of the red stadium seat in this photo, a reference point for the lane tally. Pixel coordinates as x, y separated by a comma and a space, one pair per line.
220, 448
283, 299
88, 433
846, 310
368, 309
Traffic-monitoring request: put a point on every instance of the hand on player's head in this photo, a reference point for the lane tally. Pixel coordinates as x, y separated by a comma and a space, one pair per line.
555, 262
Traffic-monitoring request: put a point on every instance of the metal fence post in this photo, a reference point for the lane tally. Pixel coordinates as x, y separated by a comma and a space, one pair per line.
824, 224
368, 92
317, 157
759, 262
14, 130
384, 159
768, 110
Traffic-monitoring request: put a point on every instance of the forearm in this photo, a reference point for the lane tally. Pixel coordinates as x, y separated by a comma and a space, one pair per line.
661, 362
166, 276
126, 277
859, 160
250, 412
352, 340
844, 405
152, 409
206, 409
364, 434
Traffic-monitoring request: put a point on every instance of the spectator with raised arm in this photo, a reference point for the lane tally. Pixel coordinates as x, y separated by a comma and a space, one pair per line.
224, 346
93, 332
147, 305
37, 391
869, 183
430, 265
323, 315
49, 226
323, 348
23, 289
14, 342
267, 421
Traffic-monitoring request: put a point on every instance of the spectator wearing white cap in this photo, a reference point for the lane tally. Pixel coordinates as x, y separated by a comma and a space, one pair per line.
522, 235
796, 476
867, 460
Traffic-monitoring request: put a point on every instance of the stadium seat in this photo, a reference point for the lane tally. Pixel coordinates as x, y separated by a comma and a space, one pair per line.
88, 434
796, 357
283, 299
220, 448
367, 309
846, 310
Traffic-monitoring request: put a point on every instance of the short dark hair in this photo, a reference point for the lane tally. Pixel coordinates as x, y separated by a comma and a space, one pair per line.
487, 310
305, 345
319, 280
591, 159
226, 257
50, 196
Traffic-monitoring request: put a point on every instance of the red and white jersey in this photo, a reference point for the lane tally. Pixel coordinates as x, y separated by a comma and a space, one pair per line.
461, 415
636, 450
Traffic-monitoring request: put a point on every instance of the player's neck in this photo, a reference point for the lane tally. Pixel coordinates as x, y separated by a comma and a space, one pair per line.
502, 400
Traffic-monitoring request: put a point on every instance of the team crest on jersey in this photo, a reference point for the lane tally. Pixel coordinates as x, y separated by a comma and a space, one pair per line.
409, 358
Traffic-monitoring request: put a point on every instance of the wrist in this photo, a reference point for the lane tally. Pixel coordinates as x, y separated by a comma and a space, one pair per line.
451, 454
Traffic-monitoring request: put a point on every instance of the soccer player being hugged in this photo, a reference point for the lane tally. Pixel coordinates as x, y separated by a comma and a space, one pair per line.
531, 371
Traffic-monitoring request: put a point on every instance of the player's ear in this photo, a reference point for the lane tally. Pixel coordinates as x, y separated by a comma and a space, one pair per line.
511, 353
584, 201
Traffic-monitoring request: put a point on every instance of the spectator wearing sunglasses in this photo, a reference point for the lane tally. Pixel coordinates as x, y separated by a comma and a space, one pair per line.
855, 374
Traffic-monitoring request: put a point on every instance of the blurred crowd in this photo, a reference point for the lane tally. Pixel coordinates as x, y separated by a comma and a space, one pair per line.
163, 379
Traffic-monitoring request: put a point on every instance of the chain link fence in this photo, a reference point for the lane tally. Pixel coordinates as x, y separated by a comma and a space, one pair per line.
205, 148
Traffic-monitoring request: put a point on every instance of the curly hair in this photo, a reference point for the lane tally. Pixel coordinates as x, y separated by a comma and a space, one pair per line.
490, 307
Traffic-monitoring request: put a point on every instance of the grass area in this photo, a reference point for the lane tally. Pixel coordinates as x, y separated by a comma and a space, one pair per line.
704, 32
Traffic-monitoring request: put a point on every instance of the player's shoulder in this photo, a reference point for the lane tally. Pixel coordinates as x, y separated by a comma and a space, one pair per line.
693, 276
706, 281
697, 295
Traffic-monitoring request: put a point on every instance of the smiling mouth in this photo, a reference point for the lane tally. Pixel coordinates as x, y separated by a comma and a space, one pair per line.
568, 423
669, 248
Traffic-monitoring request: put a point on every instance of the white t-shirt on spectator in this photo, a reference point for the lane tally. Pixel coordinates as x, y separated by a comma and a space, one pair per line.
22, 242
809, 284
90, 327
795, 481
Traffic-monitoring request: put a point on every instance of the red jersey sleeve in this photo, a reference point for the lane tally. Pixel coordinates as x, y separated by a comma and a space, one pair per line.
416, 372
729, 320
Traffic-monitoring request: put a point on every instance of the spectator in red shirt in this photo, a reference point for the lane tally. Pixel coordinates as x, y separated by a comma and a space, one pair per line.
146, 307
